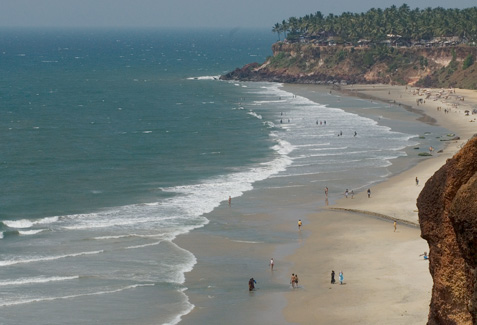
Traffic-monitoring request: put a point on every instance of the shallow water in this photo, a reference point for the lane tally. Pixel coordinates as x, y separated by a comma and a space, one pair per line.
114, 143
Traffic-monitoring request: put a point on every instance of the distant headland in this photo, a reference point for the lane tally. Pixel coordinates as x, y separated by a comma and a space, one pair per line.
430, 48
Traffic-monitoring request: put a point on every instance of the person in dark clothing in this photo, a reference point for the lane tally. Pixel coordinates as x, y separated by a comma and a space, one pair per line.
251, 284
333, 277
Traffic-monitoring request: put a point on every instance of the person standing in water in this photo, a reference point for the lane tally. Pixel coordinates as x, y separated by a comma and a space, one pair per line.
251, 284
299, 224
271, 264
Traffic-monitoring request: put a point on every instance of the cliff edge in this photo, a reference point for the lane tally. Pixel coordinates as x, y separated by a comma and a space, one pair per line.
448, 219
310, 63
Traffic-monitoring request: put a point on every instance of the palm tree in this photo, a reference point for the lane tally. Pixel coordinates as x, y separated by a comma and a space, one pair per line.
375, 24
276, 29
284, 28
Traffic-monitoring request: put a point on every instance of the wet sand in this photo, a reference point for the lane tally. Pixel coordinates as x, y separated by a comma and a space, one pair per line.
386, 281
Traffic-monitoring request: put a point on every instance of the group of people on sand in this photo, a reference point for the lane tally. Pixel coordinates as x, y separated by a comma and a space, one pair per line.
294, 280
347, 193
341, 277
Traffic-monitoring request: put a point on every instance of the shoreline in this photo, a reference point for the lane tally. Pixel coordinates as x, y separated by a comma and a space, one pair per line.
402, 186
330, 239
395, 253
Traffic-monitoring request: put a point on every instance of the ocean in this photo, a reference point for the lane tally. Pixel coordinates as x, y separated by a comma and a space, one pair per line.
115, 142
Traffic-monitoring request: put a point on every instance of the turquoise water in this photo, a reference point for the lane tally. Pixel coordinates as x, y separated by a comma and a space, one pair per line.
113, 143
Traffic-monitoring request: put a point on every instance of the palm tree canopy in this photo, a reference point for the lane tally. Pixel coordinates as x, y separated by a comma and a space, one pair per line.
377, 24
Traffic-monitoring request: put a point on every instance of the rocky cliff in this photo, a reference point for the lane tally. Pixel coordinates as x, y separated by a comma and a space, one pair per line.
448, 218
310, 63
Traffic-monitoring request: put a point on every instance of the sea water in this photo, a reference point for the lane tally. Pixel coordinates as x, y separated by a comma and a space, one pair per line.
113, 143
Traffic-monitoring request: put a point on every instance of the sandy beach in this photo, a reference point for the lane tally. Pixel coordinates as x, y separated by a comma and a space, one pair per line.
385, 279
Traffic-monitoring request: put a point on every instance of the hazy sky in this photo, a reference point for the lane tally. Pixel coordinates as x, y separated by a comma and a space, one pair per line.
186, 13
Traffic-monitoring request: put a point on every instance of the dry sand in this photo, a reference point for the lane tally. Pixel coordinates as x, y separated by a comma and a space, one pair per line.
386, 281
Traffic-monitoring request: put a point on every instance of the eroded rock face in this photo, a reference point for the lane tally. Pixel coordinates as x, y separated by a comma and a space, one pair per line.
448, 218
309, 63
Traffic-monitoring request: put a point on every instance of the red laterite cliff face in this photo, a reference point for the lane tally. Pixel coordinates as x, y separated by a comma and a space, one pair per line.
448, 218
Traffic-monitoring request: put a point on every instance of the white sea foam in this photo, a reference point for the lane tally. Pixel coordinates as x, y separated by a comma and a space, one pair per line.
260, 102
46, 220
204, 78
294, 174
255, 115
30, 232
43, 299
320, 143
18, 224
129, 236
188, 307
325, 149
45, 258
269, 124
313, 145
35, 280
25, 223
144, 245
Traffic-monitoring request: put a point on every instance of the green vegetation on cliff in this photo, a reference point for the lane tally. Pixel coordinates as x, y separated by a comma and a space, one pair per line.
431, 47
403, 24
311, 63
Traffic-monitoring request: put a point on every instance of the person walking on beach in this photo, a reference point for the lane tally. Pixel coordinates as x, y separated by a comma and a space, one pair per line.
251, 284
369, 193
299, 224
417, 181
230, 200
346, 193
341, 277
352, 194
292, 280
326, 192
296, 280
333, 277
395, 225
271, 264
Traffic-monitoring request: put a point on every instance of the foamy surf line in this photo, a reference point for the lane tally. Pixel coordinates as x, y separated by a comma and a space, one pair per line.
35, 280
204, 78
47, 258
44, 299
25, 223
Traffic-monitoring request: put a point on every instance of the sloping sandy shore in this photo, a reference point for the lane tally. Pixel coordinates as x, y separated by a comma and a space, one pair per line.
385, 279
